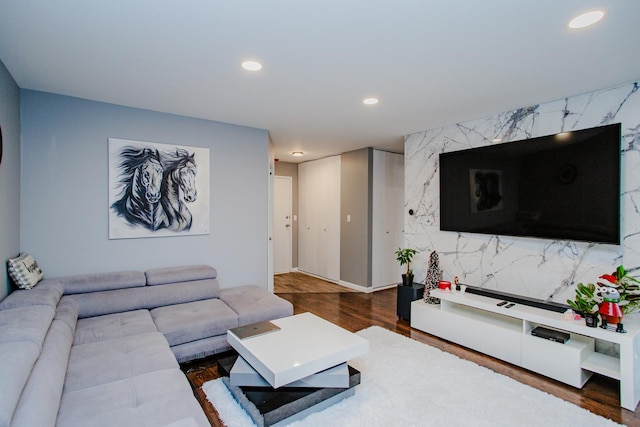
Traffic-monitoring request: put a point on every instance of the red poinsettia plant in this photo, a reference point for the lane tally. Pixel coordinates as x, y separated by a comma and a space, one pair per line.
628, 287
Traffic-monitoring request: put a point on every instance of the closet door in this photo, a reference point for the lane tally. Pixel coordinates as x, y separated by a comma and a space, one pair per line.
319, 217
387, 216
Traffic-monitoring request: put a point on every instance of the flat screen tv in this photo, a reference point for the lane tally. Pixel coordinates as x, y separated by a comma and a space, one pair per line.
561, 187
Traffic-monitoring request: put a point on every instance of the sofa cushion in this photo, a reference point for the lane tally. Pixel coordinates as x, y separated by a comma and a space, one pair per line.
153, 399
162, 276
26, 324
21, 337
112, 326
24, 271
147, 297
44, 388
102, 282
17, 361
192, 321
201, 348
49, 296
102, 362
254, 304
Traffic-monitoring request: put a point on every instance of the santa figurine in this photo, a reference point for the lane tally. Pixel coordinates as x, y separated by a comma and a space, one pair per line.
610, 310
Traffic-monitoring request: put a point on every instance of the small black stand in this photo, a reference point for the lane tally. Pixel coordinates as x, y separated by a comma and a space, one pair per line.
407, 294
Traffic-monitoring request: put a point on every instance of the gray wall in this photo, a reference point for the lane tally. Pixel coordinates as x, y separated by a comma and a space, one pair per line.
356, 201
291, 169
9, 173
64, 194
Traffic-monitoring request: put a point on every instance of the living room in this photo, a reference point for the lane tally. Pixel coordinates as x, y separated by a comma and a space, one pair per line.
54, 168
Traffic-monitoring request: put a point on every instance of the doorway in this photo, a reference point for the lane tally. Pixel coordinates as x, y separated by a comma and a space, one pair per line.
282, 224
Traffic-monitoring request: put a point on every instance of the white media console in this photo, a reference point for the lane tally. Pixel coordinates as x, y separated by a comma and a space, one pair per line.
476, 322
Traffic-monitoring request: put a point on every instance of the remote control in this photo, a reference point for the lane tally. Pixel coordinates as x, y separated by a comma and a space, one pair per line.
510, 305
501, 303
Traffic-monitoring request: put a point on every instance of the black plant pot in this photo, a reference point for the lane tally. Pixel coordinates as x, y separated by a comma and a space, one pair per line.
591, 319
407, 279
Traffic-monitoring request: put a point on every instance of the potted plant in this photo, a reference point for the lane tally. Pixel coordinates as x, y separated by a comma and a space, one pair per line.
404, 256
586, 303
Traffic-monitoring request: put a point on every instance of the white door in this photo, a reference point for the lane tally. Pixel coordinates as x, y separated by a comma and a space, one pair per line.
282, 224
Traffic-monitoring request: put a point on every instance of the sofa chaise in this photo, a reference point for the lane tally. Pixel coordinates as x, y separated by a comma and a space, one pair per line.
104, 349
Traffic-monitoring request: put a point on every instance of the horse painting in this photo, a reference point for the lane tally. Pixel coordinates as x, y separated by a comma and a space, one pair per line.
178, 188
141, 181
156, 190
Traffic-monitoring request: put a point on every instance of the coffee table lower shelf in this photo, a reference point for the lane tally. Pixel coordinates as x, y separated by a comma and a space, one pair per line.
274, 407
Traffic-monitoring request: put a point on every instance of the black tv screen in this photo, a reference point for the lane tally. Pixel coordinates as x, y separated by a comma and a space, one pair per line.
561, 187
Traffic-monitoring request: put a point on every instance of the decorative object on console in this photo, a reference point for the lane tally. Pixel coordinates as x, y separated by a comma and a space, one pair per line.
444, 284
24, 271
404, 256
610, 310
434, 274
628, 287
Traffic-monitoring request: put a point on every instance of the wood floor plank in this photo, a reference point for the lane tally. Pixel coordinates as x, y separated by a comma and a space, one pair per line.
355, 311
298, 282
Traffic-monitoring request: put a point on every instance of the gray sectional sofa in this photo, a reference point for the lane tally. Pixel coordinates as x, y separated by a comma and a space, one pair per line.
103, 350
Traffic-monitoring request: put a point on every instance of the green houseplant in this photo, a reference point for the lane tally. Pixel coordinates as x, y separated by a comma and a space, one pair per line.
585, 300
586, 303
404, 256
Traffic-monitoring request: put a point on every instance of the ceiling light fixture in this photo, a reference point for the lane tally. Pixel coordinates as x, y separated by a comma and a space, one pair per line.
586, 19
252, 66
297, 154
370, 101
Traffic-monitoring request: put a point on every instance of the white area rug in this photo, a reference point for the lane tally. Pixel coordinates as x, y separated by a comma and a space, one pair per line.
407, 383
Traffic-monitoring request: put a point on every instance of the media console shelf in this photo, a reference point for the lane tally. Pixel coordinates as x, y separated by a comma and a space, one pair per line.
476, 322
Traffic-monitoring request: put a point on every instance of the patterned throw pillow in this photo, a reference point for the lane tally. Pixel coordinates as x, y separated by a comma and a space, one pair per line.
24, 271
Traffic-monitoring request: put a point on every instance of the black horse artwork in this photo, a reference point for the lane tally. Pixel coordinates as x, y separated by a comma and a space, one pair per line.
141, 181
178, 188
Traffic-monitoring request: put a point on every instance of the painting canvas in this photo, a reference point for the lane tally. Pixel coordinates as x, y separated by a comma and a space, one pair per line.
157, 190
485, 189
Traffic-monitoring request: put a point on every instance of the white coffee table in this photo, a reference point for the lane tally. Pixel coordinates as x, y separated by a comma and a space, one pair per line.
304, 345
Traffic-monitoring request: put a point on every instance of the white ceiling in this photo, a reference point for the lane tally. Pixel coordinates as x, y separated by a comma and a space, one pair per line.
430, 63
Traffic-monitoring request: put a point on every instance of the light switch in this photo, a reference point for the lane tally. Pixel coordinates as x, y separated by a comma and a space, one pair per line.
348, 218
295, 217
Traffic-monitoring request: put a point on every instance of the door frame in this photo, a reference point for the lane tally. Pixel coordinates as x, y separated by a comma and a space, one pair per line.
288, 179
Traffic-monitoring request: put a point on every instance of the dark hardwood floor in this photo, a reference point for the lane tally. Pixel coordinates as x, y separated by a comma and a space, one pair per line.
355, 311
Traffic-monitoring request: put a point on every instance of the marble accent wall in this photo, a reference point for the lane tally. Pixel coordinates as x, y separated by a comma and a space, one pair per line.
538, 268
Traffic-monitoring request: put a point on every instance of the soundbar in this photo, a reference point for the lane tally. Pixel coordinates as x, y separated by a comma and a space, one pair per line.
532, 302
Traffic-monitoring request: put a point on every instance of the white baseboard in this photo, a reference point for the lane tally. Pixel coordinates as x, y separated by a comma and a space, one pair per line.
365, 289
359, 288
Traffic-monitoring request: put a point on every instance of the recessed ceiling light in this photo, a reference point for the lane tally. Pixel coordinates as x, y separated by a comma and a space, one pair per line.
297, 154
252, 65
497, 139
370, 101
586, 19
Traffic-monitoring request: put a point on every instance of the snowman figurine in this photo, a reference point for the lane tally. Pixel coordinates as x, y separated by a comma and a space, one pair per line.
610, 310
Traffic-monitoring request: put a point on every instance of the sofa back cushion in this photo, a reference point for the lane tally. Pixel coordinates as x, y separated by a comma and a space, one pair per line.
163, 276
44, 387
147, 297
42, 295
84, 283
21, 337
